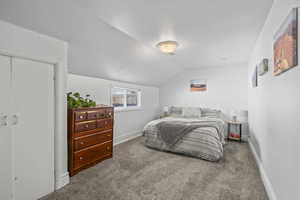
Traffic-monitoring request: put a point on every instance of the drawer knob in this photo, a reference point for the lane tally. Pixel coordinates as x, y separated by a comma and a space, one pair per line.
86, 126
107, 148
80, 117
80, 158
81, 143
105, 122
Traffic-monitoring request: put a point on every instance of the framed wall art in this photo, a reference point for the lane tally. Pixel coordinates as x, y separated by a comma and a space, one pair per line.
254, 78
286, 44
199, 85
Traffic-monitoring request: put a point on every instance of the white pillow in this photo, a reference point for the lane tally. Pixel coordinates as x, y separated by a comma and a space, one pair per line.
190, 112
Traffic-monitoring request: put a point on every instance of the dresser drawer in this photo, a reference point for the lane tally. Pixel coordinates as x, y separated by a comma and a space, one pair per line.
97, 114
105, 124
97, 138
92, 154
85, 126
80, 116
92, 115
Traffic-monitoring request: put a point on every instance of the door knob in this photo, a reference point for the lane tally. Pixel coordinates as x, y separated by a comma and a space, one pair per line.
15, 119
3, 120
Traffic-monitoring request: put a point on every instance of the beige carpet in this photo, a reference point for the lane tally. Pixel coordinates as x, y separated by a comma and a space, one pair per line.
138, 173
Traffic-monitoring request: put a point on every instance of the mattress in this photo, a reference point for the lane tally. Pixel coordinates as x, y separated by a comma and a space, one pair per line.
204, 142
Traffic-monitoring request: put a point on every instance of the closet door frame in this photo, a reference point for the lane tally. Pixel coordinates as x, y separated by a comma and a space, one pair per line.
6, 136
60, 133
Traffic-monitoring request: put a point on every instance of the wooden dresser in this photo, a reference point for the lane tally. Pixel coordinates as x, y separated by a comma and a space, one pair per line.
90, 137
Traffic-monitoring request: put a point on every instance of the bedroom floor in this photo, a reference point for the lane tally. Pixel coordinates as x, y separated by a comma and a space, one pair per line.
140, 173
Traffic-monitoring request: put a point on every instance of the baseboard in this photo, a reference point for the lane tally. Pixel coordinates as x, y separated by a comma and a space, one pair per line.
63, 180
127, 137
264, 177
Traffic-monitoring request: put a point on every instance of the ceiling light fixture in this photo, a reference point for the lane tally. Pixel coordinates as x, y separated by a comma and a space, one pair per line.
168, 47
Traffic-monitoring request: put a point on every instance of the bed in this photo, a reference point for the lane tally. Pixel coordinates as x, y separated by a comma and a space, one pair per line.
196, 132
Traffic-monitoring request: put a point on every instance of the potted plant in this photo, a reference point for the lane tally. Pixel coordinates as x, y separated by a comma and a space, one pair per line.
76, 101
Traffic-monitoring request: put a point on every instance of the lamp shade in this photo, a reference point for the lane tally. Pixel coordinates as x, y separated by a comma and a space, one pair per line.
166, 109
233, 115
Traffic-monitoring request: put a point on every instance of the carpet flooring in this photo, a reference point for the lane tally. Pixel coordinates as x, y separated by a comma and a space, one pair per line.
140, 173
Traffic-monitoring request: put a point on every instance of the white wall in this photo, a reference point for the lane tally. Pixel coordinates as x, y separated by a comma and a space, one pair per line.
24, 43
274, 112
226, 89
127, 123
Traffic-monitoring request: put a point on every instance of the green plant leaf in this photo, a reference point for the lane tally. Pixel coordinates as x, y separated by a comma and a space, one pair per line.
76, 95
76, 101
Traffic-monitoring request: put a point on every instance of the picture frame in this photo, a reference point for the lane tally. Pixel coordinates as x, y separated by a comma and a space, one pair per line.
198, 85
286, 44
263, 67
254, 78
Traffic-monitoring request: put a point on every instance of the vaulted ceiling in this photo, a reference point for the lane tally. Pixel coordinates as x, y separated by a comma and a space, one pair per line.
116, 39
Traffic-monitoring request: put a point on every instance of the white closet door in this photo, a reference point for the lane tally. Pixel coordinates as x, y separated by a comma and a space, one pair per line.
5, 132
33, 128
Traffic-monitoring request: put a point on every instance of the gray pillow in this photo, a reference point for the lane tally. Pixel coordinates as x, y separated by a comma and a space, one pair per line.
175, 111
208, 112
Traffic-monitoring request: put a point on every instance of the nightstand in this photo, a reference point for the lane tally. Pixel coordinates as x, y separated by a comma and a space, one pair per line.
233, 135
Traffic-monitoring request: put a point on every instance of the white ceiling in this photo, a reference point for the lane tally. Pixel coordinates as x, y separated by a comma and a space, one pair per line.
115, 39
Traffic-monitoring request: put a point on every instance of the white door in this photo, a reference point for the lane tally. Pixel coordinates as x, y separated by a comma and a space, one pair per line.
32, 128
5, 132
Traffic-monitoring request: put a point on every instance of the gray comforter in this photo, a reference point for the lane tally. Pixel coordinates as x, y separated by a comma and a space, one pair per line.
201, 137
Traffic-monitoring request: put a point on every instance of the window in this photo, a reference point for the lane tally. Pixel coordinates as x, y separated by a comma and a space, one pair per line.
125, 98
